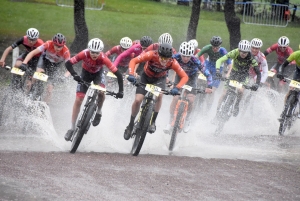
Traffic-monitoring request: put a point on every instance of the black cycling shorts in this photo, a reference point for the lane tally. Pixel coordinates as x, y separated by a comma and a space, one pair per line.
97, 78
160, 82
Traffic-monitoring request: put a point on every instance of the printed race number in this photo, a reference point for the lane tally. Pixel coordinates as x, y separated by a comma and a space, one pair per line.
97, 87
271, 74
17, 71
202, 77
153, 89
187, 87
235, 84
295, 84
40, 76
110, 74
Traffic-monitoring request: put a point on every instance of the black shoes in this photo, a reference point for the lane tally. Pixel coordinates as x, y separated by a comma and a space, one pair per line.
152, 128
128, 131
69, 134
97, 119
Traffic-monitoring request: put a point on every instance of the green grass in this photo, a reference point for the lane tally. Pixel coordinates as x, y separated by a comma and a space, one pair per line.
132, 18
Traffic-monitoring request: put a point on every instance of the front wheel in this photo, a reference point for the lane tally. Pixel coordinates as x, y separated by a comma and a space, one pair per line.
176, 128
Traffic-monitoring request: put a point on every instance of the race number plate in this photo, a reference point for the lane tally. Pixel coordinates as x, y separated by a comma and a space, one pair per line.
295, 84
271, 73
40, 76
187, 87
110, 74
153, 89
236, 84
17, 71
97, 87
202, 77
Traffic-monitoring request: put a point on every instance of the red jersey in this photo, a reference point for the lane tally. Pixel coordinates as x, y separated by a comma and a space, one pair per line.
25, 42
281, 56
52, 55
90, 65
153, 67
118, 50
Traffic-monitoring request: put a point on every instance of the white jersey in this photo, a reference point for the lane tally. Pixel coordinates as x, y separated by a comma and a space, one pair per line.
263, 66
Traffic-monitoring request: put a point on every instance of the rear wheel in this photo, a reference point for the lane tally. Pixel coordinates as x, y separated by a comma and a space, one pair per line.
142, 129
176, 128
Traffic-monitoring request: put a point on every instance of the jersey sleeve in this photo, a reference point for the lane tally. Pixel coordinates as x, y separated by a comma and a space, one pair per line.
203, 50
109, 64
180, 72
125, 54
17, 43
146, 56
264, 73
230, 55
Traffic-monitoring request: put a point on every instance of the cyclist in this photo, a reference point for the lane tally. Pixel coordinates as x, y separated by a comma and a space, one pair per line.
54, 53
164, 38
125, 43
242, 62
93, 60
214, 52
191, 65
283, 51
30, 41
155, 72
295, 56
197, 50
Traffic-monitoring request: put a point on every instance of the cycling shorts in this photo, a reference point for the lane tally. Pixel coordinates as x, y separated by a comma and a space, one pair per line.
212, 69
97, 78
191, 82
160, 82
32, 63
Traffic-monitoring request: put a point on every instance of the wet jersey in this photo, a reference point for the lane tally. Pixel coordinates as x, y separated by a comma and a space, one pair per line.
295, 56
90, 65
154, 69
25, 42
201, 57
281, 56
214, 56
134, 49
118, 50
155, 46
263, 67
193, 66
52, 55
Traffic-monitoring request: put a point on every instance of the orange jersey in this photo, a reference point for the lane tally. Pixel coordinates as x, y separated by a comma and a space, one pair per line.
52, 55
153, 67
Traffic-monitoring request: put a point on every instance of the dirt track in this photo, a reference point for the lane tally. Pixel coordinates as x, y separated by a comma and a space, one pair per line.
101, 176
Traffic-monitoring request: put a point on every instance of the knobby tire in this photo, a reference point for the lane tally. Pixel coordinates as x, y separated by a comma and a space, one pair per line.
176, 128
223, 114
287, 117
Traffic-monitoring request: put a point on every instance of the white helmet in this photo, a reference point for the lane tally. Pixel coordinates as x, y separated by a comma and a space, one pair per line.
186, 49
95, 45
125, 42
165, 38
194, 43
244, 46
283, 41
32, 33
256, 42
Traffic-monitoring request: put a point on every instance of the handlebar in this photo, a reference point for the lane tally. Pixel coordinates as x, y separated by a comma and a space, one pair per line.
110, 93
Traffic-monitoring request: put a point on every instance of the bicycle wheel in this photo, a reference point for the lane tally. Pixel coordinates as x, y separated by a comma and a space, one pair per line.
176, 128
283, 125
142, 128
37, 91
83, 127
287, 114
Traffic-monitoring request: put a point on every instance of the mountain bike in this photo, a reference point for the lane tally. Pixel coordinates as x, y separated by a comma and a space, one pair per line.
289, 114
225, 111
180, 114
88, 113
143, 121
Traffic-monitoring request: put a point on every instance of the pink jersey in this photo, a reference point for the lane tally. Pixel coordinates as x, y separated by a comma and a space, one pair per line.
135, 49
201, 58
263, 66
118, 50
281, 56
91, 65
52, 55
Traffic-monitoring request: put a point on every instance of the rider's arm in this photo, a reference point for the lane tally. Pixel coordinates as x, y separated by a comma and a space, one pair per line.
270, 49
202, 51
255, 66
114, 69
125, 54
31, 54
9, 49
264, 73
70, 68
139, 59
180, 72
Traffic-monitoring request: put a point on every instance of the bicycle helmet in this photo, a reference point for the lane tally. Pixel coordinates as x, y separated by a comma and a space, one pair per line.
95, 45
244, 46
125, 42
194, 43
146, 41
165, 38
283, 41
59, 39
186, 49
256, 42
32, 33
165, 50
216, 41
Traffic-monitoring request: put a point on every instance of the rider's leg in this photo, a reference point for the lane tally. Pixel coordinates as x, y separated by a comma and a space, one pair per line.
191, 98
135, 107
49, 92
76, 108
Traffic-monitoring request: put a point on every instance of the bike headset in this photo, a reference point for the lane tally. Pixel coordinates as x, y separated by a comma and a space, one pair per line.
126, 42
165, 50
194, 43
283, 41
95, 45
59, 39
244, 46
165, 38
146, 41
216, 41
186, 49
32, 33
256, 42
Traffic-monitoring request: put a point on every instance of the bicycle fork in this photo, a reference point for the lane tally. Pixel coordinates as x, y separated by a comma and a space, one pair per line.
181, 123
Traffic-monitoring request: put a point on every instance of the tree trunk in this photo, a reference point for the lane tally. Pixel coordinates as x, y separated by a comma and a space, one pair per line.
81, 30
192, 29
233, 24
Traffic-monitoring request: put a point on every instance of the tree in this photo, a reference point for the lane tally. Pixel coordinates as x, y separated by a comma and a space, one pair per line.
81, 30
233, 24
192, 28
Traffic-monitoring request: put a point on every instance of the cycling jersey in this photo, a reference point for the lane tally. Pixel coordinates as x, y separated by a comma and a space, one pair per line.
263, 67
281, 56
25, 42
52, 55
154, 69
135, 49
213, 56
118, 50
201, 57
295, 56
90, 65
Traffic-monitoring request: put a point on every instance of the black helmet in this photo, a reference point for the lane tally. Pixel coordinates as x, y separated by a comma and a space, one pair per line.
146, 41
165, 50
216, 41
59, 39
